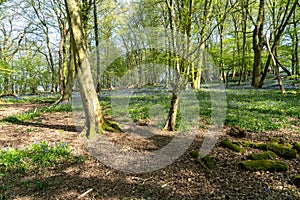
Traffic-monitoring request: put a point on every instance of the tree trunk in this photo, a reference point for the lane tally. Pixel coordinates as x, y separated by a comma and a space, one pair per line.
67, 92
95, 121
276, 68
171, 120
60, 61
295, 56
258, 43
98, 83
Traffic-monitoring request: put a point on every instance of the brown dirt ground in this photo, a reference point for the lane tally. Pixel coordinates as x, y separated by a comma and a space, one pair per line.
183, 179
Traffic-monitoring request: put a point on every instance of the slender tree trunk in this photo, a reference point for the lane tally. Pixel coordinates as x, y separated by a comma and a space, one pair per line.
60, 61
98, 82
67, 92
276, 68
295, 55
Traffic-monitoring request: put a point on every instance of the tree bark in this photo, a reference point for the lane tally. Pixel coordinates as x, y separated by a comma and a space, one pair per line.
258, 43
95, 122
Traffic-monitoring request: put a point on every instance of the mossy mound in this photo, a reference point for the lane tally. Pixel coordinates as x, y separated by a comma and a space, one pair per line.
280, 141
297, 181
235, 147
282, 151
297, 146
265, 165
209, 162
268, 155
255, 145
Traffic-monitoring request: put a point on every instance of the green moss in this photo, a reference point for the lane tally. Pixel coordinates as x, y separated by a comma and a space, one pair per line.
110, 126
297, 146
265, 165
246, 143
274, 140
282, 151
235, 147
262, 156
194, 154
297, 181
207, 163
259, 146
255, 145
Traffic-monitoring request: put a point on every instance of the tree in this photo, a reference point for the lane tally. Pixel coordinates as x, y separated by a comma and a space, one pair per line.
44, 26
258, 43
277, 32
95, 120
10, 41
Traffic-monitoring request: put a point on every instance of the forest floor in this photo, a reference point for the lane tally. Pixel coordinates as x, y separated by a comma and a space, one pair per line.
183, 179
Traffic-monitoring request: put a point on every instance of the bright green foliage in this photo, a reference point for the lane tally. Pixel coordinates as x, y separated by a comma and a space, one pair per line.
268, 155
261, 110
253, 110
235, 147
36, 155
265, 165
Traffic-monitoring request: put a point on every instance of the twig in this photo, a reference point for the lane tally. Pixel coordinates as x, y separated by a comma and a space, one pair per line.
84, 194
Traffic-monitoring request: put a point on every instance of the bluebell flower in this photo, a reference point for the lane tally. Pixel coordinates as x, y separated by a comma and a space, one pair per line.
267, 189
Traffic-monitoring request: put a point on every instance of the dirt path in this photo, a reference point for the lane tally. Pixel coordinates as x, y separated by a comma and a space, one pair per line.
183, 179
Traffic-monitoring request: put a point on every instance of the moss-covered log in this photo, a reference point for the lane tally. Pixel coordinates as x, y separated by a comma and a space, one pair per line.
255, 145
265, 165
235, 147
268, 155
282, 151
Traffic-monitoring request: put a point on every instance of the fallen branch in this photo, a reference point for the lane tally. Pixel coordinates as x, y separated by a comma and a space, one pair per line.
84, 194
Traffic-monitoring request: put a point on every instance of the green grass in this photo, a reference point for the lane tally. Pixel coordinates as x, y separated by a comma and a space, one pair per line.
253, 110
262, 110
22, 117
35, 156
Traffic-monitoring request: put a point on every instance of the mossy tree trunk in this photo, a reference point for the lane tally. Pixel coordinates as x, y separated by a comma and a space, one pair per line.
94, 118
